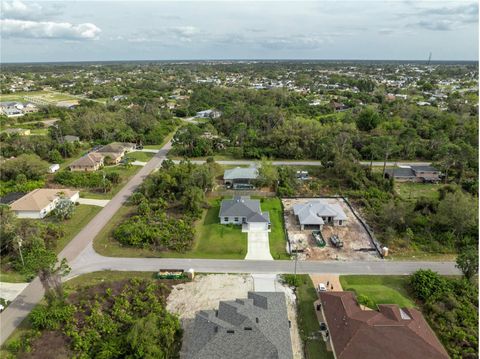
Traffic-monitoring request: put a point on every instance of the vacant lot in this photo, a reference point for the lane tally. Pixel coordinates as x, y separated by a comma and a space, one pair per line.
357, 245
413, 191
140, 156
277, 235
380, 289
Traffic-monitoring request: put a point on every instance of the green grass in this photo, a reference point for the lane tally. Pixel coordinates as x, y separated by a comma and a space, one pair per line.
308, 324
11, 277
277, 235
95, 278
380, 289
126, 173
212, 240
48, 96
140, 156
83, 215
413, 191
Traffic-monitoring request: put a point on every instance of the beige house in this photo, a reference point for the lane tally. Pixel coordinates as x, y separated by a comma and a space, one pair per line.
40, 202
115, 151
90, 162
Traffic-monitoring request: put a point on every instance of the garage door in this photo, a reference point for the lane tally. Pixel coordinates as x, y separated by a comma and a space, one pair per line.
257, 226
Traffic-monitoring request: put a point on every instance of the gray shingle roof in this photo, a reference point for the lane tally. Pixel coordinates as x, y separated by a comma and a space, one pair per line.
256, 327
241, 173
312, 212
243, 207
401, 172
424, 169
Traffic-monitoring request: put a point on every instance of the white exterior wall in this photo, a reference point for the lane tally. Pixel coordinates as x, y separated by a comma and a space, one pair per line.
29, 214
75, 197
231, 220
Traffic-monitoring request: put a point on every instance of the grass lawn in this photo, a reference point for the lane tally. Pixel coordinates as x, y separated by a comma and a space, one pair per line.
11, 277
381, 289
125, 175
277, 235
164, 142
94, 278
212, 240
413, 191
83, 215
140, 156
308, 324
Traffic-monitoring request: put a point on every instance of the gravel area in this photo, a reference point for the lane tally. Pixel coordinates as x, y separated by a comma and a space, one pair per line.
355, 238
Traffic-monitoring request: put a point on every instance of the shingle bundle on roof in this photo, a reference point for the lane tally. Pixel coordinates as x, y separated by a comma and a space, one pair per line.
256, 327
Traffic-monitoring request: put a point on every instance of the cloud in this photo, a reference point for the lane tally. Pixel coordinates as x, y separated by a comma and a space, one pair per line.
168, 36
48, 30
26, 11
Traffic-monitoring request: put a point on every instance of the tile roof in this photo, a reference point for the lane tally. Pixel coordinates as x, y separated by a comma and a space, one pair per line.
256, 327
370, 334
89, 160
39, 199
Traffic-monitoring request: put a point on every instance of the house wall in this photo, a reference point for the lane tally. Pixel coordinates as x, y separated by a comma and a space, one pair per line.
231, 220
29, 214
84, 168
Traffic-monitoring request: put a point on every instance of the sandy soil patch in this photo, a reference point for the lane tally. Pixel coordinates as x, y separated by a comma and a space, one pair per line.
357, 245
205, 292
330, 279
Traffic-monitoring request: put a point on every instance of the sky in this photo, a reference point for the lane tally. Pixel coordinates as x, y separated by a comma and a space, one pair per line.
45, 31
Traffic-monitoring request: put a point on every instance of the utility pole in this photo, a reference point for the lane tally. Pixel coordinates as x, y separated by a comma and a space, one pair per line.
295, 271
19, 242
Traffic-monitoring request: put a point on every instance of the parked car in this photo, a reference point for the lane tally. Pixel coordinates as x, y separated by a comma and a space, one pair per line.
323, 327
322, 287
336, 242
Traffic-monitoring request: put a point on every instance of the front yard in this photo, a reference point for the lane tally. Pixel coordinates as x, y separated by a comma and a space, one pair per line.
380, 289
140, 156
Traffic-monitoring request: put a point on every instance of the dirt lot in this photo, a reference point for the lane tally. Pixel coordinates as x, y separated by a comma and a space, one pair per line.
205, 292
353, 235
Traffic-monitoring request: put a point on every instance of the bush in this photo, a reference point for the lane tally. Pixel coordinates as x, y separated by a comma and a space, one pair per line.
366, 301
51, 317
427, 285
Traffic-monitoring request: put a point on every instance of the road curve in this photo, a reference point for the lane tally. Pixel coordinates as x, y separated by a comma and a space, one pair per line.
18, 310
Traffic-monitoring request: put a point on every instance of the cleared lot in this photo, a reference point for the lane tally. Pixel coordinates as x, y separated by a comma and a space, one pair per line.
357, 245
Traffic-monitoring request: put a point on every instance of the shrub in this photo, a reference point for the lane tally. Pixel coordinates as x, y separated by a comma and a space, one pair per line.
427, 285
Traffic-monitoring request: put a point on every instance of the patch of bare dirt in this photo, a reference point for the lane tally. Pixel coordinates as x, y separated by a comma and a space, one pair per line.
50, 344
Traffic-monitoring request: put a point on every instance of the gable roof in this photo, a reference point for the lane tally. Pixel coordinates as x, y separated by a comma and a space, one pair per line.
370, 334
241, 173
400, 172
39, 199
424, 169
243, 207
313, 211
89, 160
255, 327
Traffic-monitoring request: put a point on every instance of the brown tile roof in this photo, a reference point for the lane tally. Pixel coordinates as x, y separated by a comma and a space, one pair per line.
89, 160
386, 333
39, 199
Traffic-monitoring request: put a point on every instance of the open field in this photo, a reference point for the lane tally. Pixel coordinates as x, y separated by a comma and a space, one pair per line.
413, 191
380, 289
140, 156
43, 96
126, 173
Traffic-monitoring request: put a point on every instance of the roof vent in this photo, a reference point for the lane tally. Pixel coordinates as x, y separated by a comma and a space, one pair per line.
230, 331
256, 319
247, 328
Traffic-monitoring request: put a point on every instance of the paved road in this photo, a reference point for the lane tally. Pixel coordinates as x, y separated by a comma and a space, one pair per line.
11, 317
309, 163
89, 261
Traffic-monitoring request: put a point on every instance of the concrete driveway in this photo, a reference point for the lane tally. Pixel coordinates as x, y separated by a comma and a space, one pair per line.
258, 246
94, 202
10, 291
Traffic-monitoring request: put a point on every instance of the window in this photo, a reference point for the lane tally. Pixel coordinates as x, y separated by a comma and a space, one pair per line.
225, 219
236, 219
340, 222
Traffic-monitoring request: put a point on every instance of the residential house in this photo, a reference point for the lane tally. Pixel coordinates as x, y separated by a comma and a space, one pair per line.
314, 214
338, 106
244, 211
388, 333
254, 327
90, 162
425, 174
208, 114
40, 202
240, 177
115, 151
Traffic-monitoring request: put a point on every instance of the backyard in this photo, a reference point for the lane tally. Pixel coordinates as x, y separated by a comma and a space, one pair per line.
380, 289
413, 191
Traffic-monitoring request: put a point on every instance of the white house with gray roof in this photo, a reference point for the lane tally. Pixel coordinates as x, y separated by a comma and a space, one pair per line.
319, 212
254, 327
240, 177
246, 212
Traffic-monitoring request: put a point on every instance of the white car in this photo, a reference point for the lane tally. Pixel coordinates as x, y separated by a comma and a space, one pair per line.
322, 287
